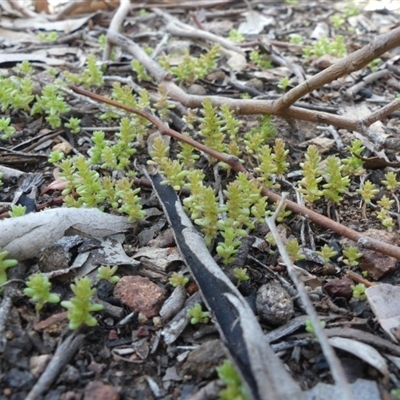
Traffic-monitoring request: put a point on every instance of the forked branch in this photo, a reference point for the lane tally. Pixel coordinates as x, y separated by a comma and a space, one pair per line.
284, 106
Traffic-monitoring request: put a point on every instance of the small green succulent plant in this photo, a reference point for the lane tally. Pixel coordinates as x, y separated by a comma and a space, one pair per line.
81, 306
38, 289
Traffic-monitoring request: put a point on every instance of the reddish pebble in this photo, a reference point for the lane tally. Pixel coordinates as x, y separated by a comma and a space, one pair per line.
99, 391
142, 331
113, 335
192, 287
339, 288
140, 294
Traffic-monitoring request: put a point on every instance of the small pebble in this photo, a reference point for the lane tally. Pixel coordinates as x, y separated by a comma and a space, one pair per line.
274, 304
140, 294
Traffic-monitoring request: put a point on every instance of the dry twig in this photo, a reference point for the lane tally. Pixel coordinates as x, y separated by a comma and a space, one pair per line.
284, 106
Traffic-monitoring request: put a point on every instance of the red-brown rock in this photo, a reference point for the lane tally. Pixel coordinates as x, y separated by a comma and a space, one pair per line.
140, 294
99, 391
339, 288
378, 264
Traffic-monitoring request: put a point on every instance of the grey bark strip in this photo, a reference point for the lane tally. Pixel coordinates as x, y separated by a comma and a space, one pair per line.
262, 371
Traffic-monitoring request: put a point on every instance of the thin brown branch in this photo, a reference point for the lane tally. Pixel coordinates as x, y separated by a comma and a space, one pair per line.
319, 219
353, 62
359, 279
382, 113
273, 107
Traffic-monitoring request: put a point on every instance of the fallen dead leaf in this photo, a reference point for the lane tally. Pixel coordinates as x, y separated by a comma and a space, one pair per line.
384, 300
23, 237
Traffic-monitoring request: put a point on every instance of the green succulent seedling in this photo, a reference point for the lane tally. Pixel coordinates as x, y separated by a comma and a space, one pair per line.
374, 64
38, 289
55, 156
178, 279
102, 39
293, 249
198, 315
174, 171
283, 212
91, 76
52, 103
351, 10
210, 127
337, 184
5, 264
235, 36
25, 68
385, 202
261, 60
228, 248
74, 125
284, 83
311, 171
140, 71
353, 165
241, 274
359, 291
367, 191
337, 21
336, 47
49, 37
16, 93
17, 210
391, 181
164, 106
295, 38
192, 68
107, 272
259, 136
310, 327
352, 255
395, 393
327, 252
6, 128
385, 218
235, 389
80, 306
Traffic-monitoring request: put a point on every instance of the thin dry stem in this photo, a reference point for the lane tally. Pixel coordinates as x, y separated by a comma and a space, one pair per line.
353, 62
